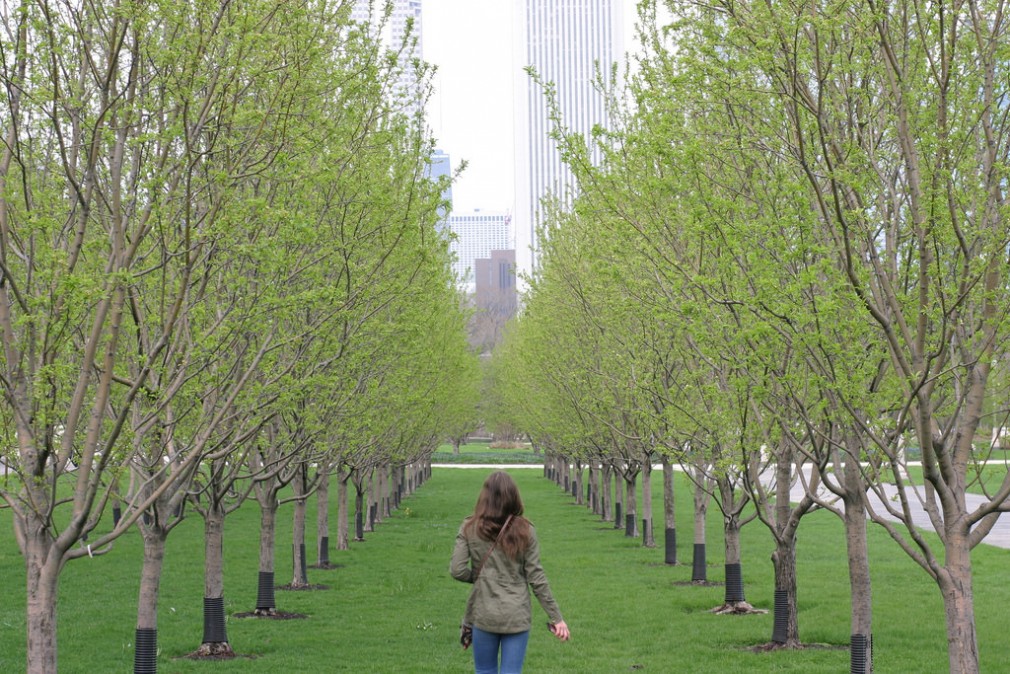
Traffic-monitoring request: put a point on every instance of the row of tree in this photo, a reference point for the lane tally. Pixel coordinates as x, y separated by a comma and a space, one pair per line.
220, 275
787, 260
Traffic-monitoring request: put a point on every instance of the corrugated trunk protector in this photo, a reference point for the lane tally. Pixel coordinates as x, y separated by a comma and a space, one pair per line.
145, 652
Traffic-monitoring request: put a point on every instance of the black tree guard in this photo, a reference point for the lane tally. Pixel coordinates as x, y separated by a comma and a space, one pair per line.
265, 600
303, 578
780, 631
670, 539
699, 570
861, 654
734, 584
214, 629
324, 551
145, 653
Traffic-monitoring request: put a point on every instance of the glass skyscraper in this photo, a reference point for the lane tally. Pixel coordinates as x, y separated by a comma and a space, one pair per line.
441, 167
563, 40
477, 234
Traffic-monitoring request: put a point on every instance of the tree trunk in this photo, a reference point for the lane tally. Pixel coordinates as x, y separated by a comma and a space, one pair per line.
42, 580
265, 601
299, 575
215, 632
669, 513
699, 569
606, 501
371, 502
380, 494
959, 603
593, 490
343, 536
145, 651
323, 519
396, 488
861, 640
359, 510
648, 537
577, 483
618, 493
785, 630
734, 573
735, 600
630, 506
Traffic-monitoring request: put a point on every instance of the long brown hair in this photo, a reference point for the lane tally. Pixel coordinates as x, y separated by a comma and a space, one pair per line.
499, 498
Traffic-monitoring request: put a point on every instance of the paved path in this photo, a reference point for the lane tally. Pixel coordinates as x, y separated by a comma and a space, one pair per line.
999, 536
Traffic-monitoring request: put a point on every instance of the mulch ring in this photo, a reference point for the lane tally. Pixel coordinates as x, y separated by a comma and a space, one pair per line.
215, 651
700, 583
273, 615
775, 646
301, 588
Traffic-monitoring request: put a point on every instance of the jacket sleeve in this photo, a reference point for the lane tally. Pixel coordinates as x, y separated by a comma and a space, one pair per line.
459, 567
537, 580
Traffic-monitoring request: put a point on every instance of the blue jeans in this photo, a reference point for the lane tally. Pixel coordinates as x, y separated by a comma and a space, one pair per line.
485, 652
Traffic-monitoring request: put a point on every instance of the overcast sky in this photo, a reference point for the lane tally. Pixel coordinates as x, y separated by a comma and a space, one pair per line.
471, 110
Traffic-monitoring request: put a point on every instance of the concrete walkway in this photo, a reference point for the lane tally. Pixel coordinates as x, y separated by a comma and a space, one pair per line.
999, 535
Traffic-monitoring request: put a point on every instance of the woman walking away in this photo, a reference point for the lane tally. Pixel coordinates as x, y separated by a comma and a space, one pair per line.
497, 550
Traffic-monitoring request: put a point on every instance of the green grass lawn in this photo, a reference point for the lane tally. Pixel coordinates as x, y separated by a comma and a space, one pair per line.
986, 479
392, 606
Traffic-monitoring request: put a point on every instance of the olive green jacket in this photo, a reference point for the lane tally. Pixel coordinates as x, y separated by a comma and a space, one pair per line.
500, 600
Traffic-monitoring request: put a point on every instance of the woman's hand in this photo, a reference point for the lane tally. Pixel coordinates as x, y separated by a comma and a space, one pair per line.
560, 630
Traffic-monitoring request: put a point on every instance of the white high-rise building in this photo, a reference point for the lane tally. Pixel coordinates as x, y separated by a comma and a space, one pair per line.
477, 234
441, 167
563, 40
405, 13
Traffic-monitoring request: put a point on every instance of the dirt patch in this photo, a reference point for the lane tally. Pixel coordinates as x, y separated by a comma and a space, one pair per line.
303, 588
737, 608
775, 646
271, 615
198, 656
215, 651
